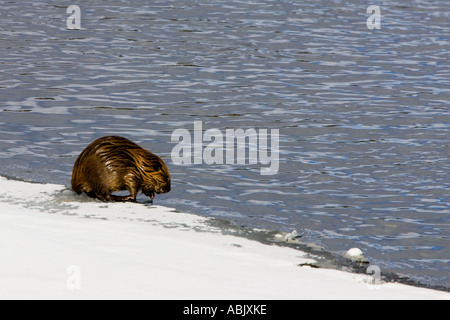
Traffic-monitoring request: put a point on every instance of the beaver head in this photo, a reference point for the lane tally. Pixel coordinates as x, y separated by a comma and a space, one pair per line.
154, 174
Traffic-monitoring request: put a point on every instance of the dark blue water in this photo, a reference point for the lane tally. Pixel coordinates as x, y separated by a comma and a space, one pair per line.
363, 114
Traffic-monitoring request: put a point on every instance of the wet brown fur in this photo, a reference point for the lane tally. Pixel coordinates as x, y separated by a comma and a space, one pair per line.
111, 164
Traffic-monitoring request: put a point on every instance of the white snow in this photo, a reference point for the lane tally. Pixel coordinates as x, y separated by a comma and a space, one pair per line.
355, 254
55, 245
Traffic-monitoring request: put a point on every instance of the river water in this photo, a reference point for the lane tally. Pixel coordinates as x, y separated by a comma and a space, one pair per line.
363, 114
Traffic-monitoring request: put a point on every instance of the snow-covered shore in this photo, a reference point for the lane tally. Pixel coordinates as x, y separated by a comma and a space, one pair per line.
54, 245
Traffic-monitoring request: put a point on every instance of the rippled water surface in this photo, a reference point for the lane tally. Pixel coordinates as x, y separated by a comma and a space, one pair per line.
363, 114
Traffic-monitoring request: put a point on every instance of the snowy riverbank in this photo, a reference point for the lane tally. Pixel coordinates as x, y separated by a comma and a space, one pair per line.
55, 245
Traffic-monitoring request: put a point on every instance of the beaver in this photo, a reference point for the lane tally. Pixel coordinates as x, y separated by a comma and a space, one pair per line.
114, 163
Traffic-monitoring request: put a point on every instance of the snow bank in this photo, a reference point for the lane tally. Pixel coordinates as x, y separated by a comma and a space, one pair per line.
55, 245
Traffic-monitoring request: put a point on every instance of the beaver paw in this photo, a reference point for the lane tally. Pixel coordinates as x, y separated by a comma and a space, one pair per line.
123, 198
